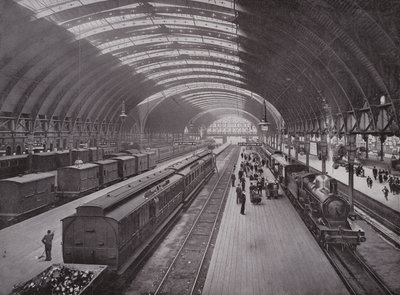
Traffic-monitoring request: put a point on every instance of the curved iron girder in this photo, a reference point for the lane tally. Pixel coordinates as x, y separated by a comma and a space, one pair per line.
304, 61
358, 53
274, 112
250, 116
91, 8
24, 62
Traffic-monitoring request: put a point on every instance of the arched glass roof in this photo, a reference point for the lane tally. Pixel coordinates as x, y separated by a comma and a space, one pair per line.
188, 48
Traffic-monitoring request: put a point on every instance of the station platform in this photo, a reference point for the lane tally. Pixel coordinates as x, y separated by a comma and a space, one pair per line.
268, 251
360, 183
20, 244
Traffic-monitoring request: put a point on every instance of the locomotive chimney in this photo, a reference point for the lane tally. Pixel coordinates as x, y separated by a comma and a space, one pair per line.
333, 186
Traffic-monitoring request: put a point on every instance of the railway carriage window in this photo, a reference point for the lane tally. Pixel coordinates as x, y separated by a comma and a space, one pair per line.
52, 188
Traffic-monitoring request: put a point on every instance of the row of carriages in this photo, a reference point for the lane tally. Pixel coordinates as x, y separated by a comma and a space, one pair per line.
55, 179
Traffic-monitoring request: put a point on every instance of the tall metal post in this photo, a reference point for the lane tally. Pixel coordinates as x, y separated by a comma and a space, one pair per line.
383, 139
296, 146
324, 151
289, 146
365, 137
307, 139
351, 152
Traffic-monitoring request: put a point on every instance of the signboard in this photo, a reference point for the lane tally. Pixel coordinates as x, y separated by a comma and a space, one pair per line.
249, 144
184, 143
264, 128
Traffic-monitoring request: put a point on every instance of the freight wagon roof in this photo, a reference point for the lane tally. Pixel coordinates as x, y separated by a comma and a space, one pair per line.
45, 154
139, 155
81, 166
109, 201
132, 151
142, 197
28, 177
62, 152
123, 158
149, 152
6, 158
105, 162
80, 150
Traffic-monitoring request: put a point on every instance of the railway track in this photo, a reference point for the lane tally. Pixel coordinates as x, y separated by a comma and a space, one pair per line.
183, 273
358, 277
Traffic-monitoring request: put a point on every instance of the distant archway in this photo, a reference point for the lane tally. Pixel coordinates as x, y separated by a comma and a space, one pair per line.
19, 150
8, 151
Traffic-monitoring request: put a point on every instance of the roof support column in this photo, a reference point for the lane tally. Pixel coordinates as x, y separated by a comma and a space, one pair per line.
307, 139
324, 151
351, 152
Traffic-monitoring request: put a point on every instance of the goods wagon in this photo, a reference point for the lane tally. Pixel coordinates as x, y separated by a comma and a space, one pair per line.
126, 166
151, 159
80, 154
13, 165
64, 158
22, 195
95, 154
141, 162
108, 171
73, 181
46, 161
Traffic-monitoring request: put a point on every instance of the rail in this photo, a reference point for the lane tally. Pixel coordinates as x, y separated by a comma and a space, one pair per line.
357, 276
218, 192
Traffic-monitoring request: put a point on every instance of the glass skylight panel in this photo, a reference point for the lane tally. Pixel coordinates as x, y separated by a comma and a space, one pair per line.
189, 69
222, 3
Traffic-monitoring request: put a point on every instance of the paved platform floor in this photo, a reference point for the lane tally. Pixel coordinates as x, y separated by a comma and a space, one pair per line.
268, 251
360, 183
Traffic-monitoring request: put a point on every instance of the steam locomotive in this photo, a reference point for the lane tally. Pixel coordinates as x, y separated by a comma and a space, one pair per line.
113, 228
324, 211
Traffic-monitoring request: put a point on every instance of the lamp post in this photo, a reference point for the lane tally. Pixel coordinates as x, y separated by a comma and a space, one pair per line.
351, 152
123, 117
264, 124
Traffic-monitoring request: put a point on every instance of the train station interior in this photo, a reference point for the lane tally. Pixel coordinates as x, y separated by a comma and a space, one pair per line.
199, 147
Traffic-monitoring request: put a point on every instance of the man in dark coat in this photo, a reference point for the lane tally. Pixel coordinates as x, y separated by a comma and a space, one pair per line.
375, 172
233, 178
238, 193
47, 241
243, 200
240, 174
243, 184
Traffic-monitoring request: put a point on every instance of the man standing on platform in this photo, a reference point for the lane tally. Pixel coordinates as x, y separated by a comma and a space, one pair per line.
240, 174
47, 241
233, 178
238, 193
385, 192
375, 172
243, 200
243, 180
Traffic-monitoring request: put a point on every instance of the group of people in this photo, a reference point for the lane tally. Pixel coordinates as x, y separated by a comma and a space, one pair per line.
383, 176
251, 167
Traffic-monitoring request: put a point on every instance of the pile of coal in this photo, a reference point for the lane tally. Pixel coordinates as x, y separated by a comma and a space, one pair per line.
56, 280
